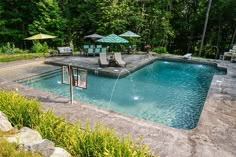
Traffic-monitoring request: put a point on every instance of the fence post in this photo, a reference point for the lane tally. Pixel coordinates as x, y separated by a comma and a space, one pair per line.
71, 83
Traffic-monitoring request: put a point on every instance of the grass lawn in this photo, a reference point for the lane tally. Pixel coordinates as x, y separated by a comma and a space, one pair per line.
21, 56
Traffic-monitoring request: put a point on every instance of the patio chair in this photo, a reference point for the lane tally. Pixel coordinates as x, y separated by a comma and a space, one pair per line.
92, 46
99, 46
102, 61
188, 56
97, 50
90, 51
119, 59
86, 46
104, 50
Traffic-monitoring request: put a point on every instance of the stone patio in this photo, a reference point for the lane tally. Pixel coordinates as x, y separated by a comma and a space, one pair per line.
214, 136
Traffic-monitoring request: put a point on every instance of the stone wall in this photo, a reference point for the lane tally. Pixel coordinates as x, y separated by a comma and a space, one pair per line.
30, 140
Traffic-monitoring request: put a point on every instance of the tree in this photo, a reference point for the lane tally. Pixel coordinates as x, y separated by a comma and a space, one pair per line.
13, 20
47, 18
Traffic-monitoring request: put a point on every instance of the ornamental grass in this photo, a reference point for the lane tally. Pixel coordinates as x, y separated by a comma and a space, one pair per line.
98, 141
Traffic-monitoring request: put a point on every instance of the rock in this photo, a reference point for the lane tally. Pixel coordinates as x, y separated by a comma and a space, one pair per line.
5, 125
60, 152
25, 135
44, 147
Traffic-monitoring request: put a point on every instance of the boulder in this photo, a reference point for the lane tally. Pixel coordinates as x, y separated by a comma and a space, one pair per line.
44, 147
5, 125
60, 152
25, 135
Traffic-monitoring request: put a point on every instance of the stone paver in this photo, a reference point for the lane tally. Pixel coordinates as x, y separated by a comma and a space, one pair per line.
214, 136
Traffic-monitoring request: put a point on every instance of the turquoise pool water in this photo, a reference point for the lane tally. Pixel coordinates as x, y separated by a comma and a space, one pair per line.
170, 93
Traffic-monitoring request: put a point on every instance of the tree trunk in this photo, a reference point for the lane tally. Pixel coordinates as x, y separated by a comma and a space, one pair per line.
218, 39
232, 42
205, 27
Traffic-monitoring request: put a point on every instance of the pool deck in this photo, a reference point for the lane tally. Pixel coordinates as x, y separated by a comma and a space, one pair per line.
214, 136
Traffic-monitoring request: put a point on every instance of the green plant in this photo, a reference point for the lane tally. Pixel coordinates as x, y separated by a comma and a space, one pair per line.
20, 111
40, 48
160, 50
10, 150
8, 48
79, 141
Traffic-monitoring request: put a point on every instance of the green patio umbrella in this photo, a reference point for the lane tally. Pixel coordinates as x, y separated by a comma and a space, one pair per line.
129, 34
94, 36
113, 38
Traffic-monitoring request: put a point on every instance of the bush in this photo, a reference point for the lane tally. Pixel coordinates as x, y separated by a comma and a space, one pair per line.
87, 141
8, 48
160, 50
11, 49
40, 48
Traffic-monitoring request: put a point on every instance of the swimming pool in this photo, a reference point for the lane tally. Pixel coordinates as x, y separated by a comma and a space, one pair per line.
170, 93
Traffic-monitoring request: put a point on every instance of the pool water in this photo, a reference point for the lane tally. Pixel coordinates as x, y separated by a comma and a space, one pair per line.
170, 93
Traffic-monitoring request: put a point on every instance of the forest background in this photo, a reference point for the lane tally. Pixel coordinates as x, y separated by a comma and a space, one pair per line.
174, 24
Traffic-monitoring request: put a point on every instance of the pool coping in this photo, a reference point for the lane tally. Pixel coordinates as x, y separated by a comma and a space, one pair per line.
213, 136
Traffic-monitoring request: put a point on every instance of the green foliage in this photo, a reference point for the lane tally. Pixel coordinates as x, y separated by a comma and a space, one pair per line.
47, 18
20, 111
40, 48
10, 150
178, 23
10, 49
79, 141
160, 50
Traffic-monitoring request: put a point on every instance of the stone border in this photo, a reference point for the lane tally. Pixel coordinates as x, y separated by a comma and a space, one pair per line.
213, 136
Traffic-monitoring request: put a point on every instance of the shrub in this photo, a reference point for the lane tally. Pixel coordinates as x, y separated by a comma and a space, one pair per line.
40, 48
79, 141
20, 111
8, 48
11, 49
160, 50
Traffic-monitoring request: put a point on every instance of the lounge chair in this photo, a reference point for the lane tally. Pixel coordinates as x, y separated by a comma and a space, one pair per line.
103, 60
119, 59
188, 56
